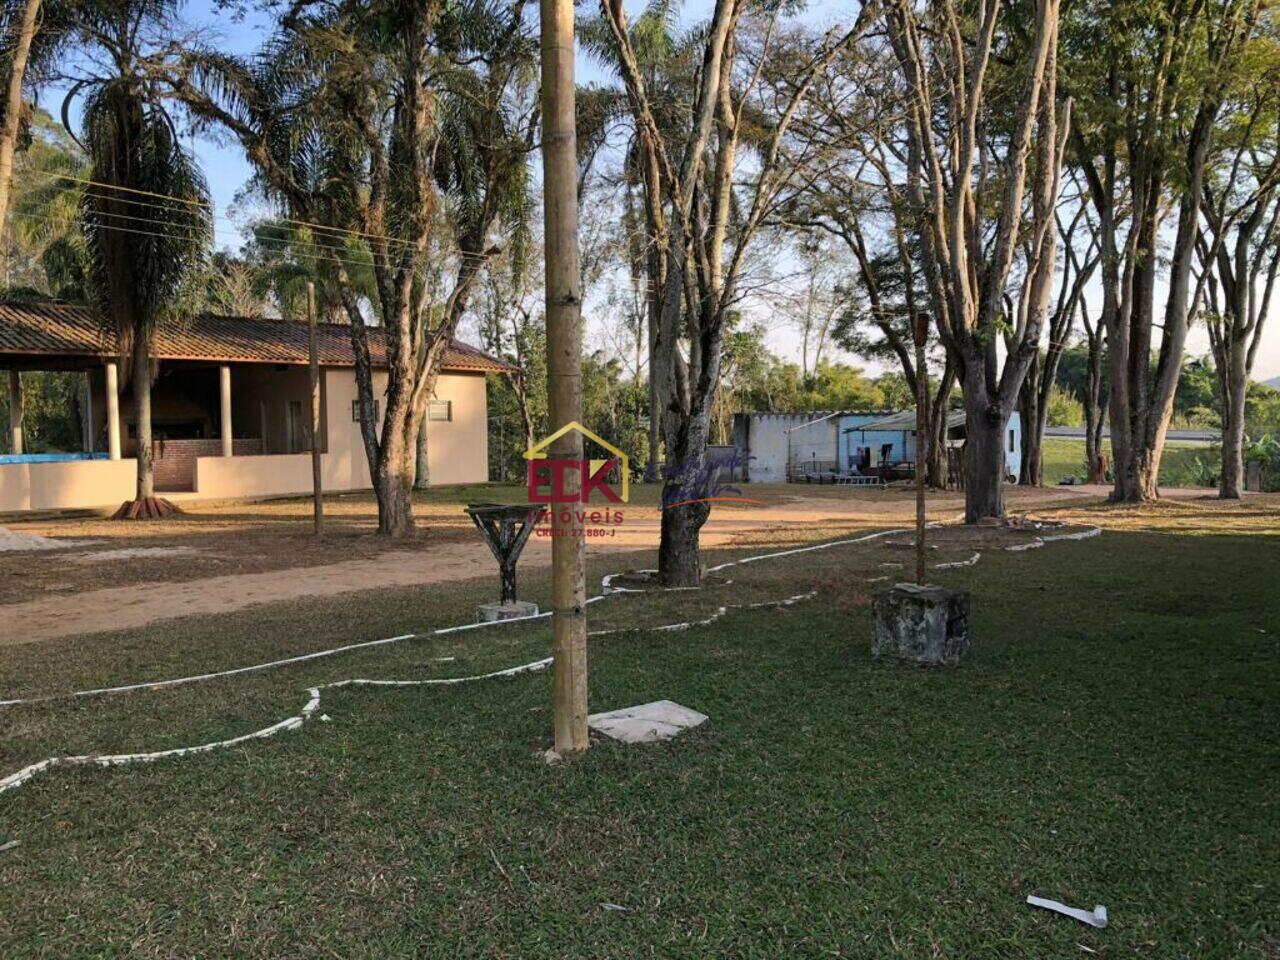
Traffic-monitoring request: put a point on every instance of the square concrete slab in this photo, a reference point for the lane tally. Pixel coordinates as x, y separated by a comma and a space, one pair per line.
647, 723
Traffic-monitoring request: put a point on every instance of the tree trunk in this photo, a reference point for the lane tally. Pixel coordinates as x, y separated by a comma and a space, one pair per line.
394, 489
1093, 413
983, 460
679, 563
142, 413
421, 472
651, 470
936, 464
397, 468
1233, 433
1033, 415
939, 407
679, 556
13, 102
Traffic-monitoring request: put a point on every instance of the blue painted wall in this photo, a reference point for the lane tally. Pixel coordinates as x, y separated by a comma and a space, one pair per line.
49, 457
849, 442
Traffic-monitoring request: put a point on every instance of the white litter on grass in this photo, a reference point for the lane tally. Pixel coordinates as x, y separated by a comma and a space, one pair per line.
10, 845
1097, 917
647, 723
14, 541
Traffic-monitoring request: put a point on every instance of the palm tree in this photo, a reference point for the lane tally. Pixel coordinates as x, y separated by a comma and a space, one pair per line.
19, 25
43, 246
401, 131
146, 217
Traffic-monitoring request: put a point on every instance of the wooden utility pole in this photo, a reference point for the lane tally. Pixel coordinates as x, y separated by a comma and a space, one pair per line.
313, 350
564, 371
921, 333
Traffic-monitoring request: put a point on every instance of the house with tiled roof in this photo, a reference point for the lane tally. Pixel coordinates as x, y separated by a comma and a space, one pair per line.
231, 410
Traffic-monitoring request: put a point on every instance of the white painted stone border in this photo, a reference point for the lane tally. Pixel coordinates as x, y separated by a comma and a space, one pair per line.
292, 723
958, 563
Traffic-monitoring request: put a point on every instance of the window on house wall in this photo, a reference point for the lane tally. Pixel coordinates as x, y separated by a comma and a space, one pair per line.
1011, 440
355, 411
440, 410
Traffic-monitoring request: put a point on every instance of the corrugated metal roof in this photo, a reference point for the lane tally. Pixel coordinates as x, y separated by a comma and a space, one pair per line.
61, 329
906, 420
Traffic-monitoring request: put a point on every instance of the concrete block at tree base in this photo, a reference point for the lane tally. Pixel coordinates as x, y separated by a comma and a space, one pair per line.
493, 612
927, 625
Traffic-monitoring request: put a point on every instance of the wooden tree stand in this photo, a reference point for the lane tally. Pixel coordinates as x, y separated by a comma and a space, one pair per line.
145, 508
506, 529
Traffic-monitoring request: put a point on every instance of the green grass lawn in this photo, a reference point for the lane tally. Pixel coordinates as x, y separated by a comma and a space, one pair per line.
1112, 738
1065, 458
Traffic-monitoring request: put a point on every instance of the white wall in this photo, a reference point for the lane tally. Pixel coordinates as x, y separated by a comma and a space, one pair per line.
68, 485
457, 450
769, 443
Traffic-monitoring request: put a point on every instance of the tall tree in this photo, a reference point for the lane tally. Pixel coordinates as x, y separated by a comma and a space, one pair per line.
1239, 249
18, 23
967, 170
855, 191
402, 128
142, 274
1042, 374
706, 219
1150, 77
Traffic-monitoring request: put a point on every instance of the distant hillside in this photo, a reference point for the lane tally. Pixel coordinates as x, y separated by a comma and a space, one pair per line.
1273, 382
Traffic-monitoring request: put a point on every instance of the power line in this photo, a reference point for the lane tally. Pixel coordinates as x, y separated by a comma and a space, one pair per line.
328, 228
170, 236
336, 232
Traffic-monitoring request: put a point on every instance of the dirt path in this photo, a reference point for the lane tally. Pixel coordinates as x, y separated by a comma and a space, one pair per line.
138, 604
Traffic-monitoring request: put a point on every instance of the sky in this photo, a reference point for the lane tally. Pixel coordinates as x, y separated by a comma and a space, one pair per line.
228, 171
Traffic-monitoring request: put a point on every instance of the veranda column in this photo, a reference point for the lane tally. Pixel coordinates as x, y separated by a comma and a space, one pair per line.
15, 412
113, 411
86, 414
224, 390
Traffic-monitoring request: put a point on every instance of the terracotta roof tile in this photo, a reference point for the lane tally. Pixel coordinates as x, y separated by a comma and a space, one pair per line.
62, 329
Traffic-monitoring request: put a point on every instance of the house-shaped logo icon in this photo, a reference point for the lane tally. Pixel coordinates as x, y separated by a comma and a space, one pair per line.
593, 473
